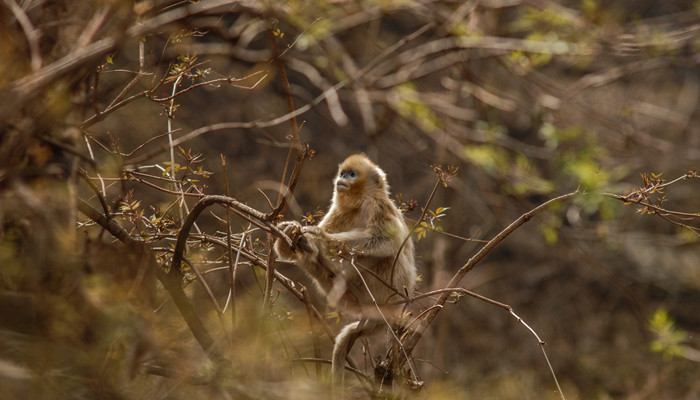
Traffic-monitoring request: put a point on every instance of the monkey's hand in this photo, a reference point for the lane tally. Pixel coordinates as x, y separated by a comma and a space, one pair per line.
282, 248
295, 232
308, 232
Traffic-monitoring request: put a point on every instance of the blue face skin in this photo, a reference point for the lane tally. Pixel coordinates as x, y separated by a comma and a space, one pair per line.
345, 179
349, 174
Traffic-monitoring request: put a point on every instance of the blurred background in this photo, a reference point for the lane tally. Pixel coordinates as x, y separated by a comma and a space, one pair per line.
530, 99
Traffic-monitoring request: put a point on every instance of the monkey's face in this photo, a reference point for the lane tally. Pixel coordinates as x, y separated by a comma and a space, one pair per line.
345, 179
357, 177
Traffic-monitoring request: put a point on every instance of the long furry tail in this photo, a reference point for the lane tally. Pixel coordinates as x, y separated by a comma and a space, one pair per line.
343, 343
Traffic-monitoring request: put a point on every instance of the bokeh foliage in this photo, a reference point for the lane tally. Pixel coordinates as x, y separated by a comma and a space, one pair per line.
530, 99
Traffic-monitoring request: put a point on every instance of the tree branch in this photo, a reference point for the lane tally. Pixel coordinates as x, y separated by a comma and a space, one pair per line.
171, 282
414, 337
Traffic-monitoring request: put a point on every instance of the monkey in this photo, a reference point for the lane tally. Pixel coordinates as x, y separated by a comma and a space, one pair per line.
363, 229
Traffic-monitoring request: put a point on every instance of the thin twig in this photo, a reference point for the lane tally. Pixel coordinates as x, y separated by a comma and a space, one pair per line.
142, 145
450, 290
381, 314
410, 232
239, 125
212, 82
416, 335
171, 282
164, 190
282, 204
286, 282
231, 266
200, 278
201, 205
30, 33
95, 189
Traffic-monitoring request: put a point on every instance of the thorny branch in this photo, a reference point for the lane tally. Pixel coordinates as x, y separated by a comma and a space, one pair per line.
302, 154
462, 291
427, 318
26, 88
444, 176
173, 286
655, 185
172, 279
201, 205
42, 75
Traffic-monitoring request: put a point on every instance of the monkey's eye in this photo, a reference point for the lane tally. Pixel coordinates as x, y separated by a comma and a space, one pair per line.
349, 174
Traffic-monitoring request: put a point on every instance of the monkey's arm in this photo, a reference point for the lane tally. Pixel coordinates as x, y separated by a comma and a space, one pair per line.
372, 243
309, 254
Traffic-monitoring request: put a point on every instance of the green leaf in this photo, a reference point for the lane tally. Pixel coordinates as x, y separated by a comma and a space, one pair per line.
669, 339
491, 158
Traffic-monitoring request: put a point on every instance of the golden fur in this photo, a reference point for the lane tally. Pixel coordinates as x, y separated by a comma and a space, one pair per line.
362, 229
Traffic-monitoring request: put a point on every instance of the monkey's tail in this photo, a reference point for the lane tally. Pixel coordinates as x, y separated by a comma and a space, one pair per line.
343, 343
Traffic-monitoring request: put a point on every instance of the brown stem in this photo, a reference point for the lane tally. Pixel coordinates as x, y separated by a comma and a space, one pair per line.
97, 192
415, 336
198, 208
231, 267
408, 235
282, 203
171, 282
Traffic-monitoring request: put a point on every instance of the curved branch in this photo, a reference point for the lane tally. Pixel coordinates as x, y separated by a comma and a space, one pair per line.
413, 229
24, 89
415, 336
300, 294
97, 192
202, 204
31, 33
171, 282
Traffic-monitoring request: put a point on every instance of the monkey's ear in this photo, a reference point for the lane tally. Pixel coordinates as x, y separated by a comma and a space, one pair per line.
376, 178
379, 177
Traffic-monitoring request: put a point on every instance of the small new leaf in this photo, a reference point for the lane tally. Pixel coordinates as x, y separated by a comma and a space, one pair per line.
669, 339
334, 315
